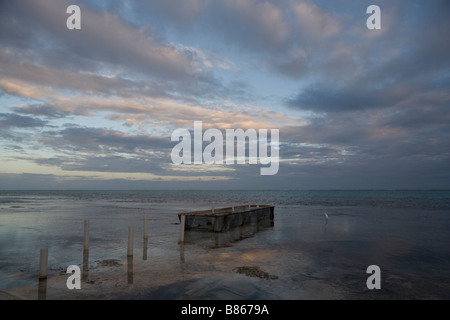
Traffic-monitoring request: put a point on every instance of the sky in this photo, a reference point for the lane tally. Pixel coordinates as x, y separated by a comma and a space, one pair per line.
95, 108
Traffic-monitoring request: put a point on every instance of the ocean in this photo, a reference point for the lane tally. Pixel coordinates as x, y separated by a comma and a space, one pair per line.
319, 247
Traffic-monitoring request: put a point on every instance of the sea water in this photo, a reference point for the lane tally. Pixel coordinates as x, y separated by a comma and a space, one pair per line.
320, 245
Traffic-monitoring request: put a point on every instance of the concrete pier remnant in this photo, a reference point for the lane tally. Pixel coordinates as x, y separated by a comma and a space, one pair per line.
224, 219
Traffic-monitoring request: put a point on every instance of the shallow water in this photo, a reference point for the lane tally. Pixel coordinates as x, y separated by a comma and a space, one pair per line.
405, 233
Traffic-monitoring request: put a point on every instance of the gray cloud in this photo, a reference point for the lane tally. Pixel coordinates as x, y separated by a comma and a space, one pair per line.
183, 13
102, 140
41, 110
102, 150
104, 37
393, 72
17, 121
377, 101
106, 164
324, 97
76, 60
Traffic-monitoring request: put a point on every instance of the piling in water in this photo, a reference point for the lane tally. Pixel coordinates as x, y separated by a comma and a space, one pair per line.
86, 235
183, 225
145, 228
130, 241
43, 264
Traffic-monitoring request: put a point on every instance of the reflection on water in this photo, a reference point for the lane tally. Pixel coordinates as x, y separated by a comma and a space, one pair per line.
182, 253
312, 256
130, 269
42, 289
85, 271
145, 249
224, 239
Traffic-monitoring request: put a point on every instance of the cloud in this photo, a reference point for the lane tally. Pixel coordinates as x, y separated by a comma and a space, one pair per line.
183, 13
105, 164
8, 120
41, 110
160, 112
96, 140
22, 88
414, 65
258, 23
35, 181
323, 97
106, 42
354, 107
314, 21
19, 72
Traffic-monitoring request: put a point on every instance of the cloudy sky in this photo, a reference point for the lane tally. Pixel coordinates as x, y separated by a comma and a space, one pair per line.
95, 108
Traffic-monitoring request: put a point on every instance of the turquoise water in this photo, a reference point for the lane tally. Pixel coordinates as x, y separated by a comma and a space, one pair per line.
405, 232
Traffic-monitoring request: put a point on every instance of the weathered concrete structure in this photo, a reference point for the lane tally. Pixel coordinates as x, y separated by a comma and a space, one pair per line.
225, 219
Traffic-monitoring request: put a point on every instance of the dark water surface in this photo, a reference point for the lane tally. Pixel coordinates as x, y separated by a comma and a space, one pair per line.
405, 233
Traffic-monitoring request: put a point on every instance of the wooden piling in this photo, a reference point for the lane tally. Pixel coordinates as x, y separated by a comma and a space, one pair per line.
144, 253
182, 223
130, 269
145, 228
145, 249
130, 241
85, 271
86, 235
42, 289
43, 264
